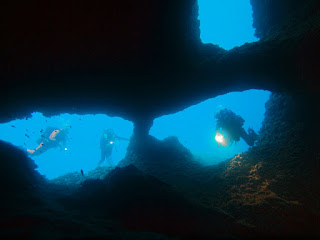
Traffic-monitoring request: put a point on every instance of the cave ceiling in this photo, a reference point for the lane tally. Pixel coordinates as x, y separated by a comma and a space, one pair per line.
142, 59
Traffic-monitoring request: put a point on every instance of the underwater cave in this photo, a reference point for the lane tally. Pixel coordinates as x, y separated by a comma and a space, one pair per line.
145, 68
226, 23
80, 154
195, 127
81, 148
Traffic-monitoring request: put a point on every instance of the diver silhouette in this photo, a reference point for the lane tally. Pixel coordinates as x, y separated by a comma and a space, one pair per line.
52, 137
230, 129
107, 141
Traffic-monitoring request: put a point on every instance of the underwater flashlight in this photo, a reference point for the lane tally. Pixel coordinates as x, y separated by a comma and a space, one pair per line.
219, 138
111, 142
66, 149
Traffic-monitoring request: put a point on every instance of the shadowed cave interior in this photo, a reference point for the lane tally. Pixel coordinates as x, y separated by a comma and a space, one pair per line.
70, 58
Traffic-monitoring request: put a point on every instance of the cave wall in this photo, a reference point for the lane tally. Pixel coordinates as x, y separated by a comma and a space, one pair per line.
143, 60
19, 181
270, 15
290, 134
98, 57
164, 68
274, 186
297, 114
74, 58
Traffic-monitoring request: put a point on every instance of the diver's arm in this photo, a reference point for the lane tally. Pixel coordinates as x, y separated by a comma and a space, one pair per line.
249, 138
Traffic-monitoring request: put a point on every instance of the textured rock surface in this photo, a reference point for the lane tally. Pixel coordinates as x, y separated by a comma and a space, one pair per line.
270, 191
269, 16
139, 60
142, 60
76, 179
19, 175
273, 188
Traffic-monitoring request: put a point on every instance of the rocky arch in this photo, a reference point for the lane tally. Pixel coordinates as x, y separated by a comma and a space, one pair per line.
144, 59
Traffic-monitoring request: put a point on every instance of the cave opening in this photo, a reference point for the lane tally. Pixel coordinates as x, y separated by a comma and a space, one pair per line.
81, 149
226, 23
195, 127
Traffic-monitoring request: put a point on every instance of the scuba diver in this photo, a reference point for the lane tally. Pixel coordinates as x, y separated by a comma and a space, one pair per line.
52, 137
107, 141
229, 129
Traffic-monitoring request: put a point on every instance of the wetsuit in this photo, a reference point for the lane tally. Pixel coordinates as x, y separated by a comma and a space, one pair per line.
51, 138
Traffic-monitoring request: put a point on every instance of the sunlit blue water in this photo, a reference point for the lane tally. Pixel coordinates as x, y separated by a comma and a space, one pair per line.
82, 150
195, 126
227, 23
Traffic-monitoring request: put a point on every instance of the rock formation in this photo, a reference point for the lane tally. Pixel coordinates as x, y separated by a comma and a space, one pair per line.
142, 59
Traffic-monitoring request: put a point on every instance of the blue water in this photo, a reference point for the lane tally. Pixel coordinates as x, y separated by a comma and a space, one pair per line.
195, 126
227, 23
82, 150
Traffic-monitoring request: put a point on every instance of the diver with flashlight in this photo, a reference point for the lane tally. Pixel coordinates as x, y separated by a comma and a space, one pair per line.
229, 129
107, 141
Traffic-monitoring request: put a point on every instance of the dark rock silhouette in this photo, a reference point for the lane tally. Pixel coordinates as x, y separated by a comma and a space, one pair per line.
142, 59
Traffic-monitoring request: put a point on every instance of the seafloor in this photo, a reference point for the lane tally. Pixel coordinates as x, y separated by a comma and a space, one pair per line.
159, 191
